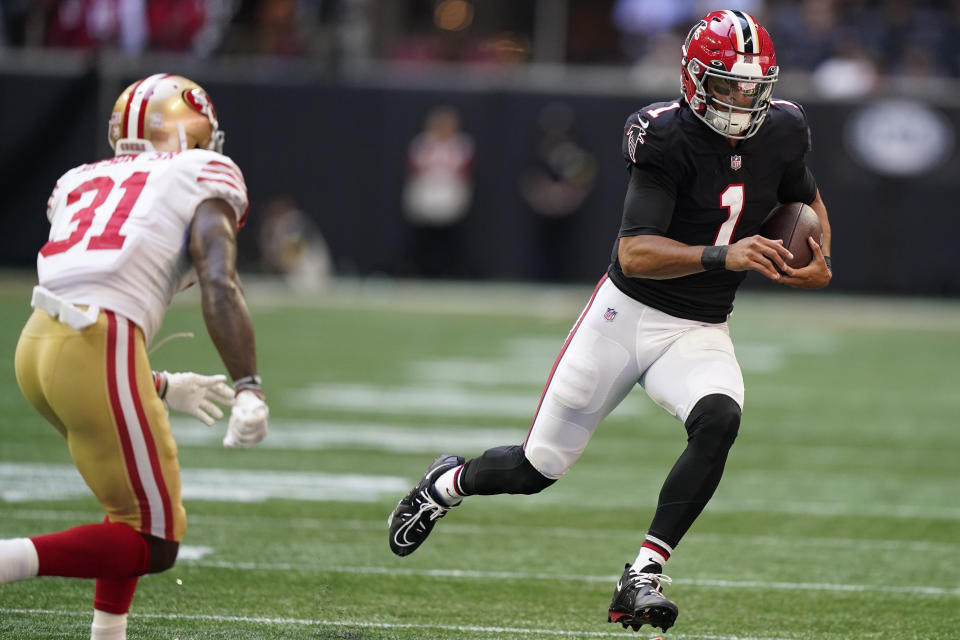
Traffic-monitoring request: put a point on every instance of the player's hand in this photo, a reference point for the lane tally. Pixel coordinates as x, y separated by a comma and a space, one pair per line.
248, 421
756, 253
196, 394
815, 275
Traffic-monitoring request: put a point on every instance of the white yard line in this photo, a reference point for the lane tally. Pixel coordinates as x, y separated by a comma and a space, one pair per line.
868, 545
317, 435
442, 400
346, 624
31, 481
461, 574
21, 482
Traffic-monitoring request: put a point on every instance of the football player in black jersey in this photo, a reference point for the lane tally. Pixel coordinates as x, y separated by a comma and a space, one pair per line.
704, 171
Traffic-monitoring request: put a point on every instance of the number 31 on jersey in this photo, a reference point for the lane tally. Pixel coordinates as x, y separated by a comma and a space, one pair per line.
110, 238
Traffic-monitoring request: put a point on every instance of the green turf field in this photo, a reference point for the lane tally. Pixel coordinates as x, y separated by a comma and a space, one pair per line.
838, 517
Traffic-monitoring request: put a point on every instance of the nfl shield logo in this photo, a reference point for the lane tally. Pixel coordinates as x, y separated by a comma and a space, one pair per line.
736, 162
610, 314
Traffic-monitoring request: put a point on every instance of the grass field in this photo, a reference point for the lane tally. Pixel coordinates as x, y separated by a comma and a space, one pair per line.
838, 517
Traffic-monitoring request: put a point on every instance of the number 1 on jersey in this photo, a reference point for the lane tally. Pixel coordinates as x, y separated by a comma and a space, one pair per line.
732, 199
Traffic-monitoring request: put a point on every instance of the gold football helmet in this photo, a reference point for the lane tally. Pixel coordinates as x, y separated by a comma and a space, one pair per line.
164, 112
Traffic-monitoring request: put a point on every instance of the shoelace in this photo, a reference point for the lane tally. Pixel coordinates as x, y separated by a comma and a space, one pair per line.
657, 580
429, 504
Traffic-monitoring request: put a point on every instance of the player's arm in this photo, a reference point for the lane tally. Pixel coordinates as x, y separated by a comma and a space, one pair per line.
645, 251
213, 247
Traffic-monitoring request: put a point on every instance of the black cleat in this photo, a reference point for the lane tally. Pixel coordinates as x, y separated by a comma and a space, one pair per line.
417, 512
639, 600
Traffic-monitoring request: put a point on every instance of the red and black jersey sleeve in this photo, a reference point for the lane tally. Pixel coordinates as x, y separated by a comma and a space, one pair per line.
654, 172
797, 183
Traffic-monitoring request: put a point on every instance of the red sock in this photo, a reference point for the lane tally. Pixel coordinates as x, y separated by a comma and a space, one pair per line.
108, 550
114, 595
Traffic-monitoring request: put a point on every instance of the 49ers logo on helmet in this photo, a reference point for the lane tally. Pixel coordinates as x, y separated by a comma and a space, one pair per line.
199, 100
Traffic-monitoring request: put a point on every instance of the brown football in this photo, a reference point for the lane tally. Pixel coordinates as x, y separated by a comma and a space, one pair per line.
793, 222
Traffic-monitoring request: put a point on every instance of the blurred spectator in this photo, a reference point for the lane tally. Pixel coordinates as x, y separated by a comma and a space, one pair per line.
97, 24
438, 193
291, 245
848, 74
833, 39
175, 24
659, 69
285, 28
804, 33
641, 22
493, 32
555, 187
129, 26
917, 39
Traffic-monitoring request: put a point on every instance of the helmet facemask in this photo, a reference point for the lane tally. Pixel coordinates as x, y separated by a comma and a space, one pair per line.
728, 69
734, 104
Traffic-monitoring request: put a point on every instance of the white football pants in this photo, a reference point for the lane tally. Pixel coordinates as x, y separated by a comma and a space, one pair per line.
616, 343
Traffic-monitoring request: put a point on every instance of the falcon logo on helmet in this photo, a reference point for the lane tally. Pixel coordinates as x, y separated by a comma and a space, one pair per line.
728, 71
164, 112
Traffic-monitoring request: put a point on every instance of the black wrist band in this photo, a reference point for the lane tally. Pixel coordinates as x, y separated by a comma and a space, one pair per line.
829, 266
714, 257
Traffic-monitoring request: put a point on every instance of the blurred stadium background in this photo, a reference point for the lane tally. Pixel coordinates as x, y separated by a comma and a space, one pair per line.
321, 100
435, 185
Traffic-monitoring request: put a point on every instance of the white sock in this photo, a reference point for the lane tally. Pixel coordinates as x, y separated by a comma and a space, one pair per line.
18, 560
446, 488
108, 626
650, 553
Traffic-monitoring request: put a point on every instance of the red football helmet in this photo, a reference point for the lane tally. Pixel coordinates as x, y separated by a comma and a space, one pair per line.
728, 71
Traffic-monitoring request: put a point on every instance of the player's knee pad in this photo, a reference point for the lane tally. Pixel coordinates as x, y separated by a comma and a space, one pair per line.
503, 470
713, 424
548, 459
163, 553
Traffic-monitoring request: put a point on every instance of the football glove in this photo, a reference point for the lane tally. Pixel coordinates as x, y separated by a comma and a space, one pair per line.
248, 421
195, 394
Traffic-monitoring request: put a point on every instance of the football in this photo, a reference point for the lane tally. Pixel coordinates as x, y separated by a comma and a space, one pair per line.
793, 222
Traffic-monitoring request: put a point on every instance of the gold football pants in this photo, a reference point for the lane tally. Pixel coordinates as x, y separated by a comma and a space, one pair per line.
96, 387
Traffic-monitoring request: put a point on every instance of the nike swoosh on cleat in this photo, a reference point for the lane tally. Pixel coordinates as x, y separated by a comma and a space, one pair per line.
402, 531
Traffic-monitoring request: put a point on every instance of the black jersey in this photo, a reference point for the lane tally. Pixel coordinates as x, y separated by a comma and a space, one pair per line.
687, 183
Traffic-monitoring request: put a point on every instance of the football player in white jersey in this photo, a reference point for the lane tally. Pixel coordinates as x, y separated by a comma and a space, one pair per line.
126, 234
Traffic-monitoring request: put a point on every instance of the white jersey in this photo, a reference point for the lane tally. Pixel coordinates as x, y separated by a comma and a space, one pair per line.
119, 229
